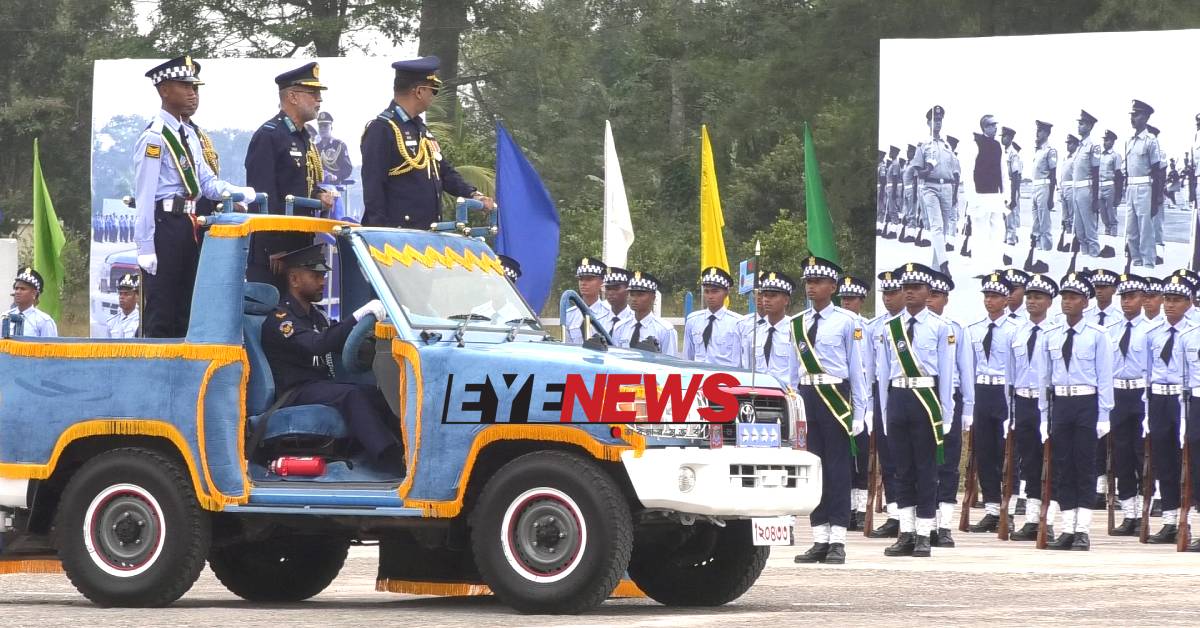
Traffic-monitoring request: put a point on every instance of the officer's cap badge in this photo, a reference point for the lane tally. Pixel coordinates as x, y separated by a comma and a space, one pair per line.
287, 329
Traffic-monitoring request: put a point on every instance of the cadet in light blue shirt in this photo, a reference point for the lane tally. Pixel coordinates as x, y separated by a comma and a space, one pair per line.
892, 299
644, 324
1104, 312
853, 292
711, 335
1165, 360
589, 274
1131, 351
1153, 300
964, 409
616, 295
767, 347
1076, 367
827, 343
912, 435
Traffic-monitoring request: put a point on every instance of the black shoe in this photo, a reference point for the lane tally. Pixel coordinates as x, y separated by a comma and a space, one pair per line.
1101, 503
836, 554
860, 521
945, 268
921, 546
944, 539
1028, 532
1007, 259
815, 554
977, 504
949, 247
1020, 507
903, 546
1063, 542
1165, 535
1081, 543
989, 523
1128, 527
889, 530
1194, 546
1107, 252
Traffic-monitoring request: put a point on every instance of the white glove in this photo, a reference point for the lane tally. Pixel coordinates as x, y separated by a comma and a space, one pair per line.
858, 427
249, 193
148, 262
1102, 428
1044, 428
967, 421
372, 307
1145, 426
869, 420
1182, 433
947, 424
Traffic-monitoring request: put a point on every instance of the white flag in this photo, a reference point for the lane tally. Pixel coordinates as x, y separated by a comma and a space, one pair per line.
618, 229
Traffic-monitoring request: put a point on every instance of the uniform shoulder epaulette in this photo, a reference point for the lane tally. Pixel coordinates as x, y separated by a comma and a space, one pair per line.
695, 314
838, 308
155, 127
878, 318
1098, 327
269, 125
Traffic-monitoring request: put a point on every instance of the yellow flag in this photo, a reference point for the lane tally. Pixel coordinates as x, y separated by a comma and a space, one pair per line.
712, 221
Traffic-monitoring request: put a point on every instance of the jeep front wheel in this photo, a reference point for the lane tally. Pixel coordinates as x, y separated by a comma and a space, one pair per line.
551, 533
286, 568
129, 530
697, 565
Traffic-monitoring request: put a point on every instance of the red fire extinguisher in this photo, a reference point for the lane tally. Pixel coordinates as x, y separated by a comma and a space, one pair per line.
306, 466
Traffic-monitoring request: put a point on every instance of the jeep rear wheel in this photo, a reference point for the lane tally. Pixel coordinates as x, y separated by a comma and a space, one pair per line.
697, 565
129, 530
551, 533
287, 568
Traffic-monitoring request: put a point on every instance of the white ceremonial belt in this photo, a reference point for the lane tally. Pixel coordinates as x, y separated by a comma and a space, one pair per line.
1129, 384
1074, 391
1028, 393
1040, 182
1137, 180
1166, 389
1082, 184
819, 378
1196, 392
991, 380
936, 181
1106, 184
913, 382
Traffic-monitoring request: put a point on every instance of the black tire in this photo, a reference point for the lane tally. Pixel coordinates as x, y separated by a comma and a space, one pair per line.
286, 568
129, 530
697, 565
540, 507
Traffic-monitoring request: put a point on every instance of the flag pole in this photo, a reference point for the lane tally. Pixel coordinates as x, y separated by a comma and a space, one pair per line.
753, 320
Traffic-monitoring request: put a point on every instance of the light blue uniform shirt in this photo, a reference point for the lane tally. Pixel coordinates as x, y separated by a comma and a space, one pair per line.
995, 365
724, 346
1190, 342
870, 334
574, 319
1091, 365
651, 325
964, 368
1111, 314
1135, 364
1161, 372
157, 178
1020, 361
784, 364
37, 324
933, 352
838, 350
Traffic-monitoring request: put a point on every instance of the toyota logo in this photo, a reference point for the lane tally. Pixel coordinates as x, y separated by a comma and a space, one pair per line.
746, 412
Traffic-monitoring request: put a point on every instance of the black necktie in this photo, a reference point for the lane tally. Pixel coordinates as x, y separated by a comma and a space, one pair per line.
812, 329
767, 345
637, 334
712, 318
912, 322
1125, 339
1032, 342
1067, 349
1168, 347
987, 341
183, 139
613, 328
1102, 315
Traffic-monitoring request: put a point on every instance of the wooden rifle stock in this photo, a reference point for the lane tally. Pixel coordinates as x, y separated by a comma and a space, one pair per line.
970, 488
1147, 493
1006, 482
1047, 481
872, 485
1111, 498
1184, 531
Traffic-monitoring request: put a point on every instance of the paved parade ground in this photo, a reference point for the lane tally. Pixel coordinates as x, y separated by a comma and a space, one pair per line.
982, 581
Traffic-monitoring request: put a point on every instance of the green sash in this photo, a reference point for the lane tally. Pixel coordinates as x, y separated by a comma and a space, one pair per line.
182, 163
927, 396
829, 394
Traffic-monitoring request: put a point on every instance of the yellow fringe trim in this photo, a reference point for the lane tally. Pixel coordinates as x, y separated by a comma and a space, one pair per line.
407, 352
121, 427
200, 398
625, 588
31, 565
105, 350
448, 257
385, 331
272, 222
554, 432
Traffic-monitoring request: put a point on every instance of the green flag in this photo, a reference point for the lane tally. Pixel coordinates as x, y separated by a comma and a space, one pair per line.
820, 226
48, 241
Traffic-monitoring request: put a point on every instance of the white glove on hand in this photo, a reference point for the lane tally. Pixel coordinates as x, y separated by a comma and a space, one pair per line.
373, 306
1182, 433
148, 262
858, 427
1102, 428
1044, 428
869, 420
249, 193
967, 421
947, 424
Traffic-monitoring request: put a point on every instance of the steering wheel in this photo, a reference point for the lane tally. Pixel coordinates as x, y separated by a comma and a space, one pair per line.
362, 336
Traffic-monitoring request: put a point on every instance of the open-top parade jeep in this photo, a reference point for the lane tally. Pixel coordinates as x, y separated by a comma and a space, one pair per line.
127, 459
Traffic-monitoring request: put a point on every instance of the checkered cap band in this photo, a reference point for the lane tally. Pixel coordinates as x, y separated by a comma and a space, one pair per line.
890, 285
590, 269
852, 290
916, 276
1177, 285
128, 282
1103, 277
1038, 283
1153, 286
26, 275
997, 287
937, 284
1131, 283
643, 283
1078, 286
821, 270
173, 73
713, 278
511, 273
616, 275
1016, 277
777, 284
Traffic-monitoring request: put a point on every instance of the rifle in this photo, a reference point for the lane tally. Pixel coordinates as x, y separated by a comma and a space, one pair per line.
1112, 489
1147, 493
963, 250
1184, 531
1006, 481
872, 487
1062, 239
971, 488
1047, 480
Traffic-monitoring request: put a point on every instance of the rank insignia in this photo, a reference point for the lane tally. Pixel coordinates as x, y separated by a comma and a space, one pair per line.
286, 328
858, 335
281, 314
153, 151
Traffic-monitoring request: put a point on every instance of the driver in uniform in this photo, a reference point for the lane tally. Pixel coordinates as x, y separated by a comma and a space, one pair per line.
300, 343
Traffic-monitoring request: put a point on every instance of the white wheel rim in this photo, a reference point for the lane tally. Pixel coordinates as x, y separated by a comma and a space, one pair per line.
530, 511
114, 515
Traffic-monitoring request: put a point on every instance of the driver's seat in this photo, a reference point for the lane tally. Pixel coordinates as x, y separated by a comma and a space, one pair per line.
314, 425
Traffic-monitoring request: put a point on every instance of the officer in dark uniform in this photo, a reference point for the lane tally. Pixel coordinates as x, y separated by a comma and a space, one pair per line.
283, 160
335, 155
300, 343
404, 172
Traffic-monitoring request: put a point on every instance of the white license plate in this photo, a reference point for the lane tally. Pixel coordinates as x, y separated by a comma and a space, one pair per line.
772, 478
772, 530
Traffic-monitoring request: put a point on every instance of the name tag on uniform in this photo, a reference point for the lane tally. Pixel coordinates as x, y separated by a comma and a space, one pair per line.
295, 153
410, 143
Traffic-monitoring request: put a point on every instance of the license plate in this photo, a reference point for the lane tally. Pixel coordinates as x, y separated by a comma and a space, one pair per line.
757, 435
772, 530
772, 478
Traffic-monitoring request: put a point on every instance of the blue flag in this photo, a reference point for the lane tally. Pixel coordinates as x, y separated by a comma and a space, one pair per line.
528, 220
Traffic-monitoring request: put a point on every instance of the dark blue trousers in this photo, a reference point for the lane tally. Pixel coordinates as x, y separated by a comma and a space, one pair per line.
1164, 447
1126, 433
1073, 438
829, 441
991, 411
887, 466
363, 408
1193, 445
862, 463
947, 472
911, 438
1029, 443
